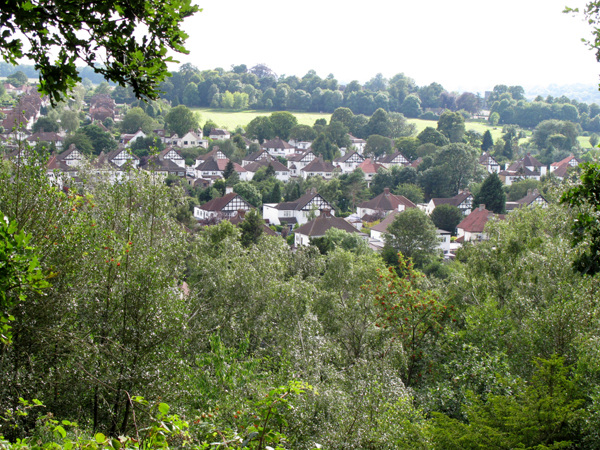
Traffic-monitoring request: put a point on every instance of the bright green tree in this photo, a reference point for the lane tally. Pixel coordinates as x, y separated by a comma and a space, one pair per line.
181, 119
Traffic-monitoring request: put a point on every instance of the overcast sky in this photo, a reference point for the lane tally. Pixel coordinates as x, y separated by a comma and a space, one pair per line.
462, 44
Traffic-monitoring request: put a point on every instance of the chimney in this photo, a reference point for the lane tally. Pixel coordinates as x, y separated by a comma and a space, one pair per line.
326, 213
386, 191
481, 207
529, 192
228, 189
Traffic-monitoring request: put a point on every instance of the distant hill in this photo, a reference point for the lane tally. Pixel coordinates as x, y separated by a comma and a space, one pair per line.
586, 93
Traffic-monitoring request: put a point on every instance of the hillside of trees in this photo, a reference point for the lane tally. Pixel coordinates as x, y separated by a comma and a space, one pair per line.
118, 318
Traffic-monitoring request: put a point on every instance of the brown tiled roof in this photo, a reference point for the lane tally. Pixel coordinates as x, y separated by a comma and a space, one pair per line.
367, 166
317, 227
475, 222
217, 204
455, 201
277, 166
318, 165
382, 226
300, 203
389, 158
386, 201
276, 143
566, 160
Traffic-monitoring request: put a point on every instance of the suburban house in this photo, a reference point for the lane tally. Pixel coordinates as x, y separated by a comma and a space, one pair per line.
463, 201
214, 153
211, 168
560, 169
219, 134
490, 164
471, 228
102, 106
46, 136
282, 173
296, 212
533, 198
223, 207
162, 167
526, 168
319, 226
318, 167
395, 159
278, 147
358, 144
174, 155
261, 155
299, 161
121, 156
383, 204
370, 169
127, 139
300, 145
349, 162
189, 140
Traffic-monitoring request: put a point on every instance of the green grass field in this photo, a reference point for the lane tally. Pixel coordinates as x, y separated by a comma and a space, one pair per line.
232, 119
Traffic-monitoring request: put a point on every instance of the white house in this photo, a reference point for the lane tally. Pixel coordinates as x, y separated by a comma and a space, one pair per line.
225, 207
296, 212
349, 162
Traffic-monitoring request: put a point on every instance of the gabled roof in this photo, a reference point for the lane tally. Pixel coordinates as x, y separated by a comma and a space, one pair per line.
299, 156
529, 160
566, 160
45, 136
64, 155
218, 204
160, 165
369, 167
356, 140
475, 222
214, 153
166, 151
387, 159
276, 143
347, 156
116, 152
325, 221
301, 202
382, 226
456, 200
257, 155
386, 201
486, 159
218, 132
277, 166
531, 197
318, 165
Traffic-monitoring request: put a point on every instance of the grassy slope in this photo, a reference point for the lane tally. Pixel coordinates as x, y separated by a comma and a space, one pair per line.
232, 119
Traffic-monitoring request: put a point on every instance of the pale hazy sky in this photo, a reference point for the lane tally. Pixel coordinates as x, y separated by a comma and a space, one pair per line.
462, 44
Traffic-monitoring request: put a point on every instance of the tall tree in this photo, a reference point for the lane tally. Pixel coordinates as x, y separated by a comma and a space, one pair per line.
181, 119
491, 194
488, 142
413, 234
452, 125
282, 123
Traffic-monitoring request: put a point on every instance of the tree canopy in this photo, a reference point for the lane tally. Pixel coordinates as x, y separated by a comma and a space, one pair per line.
130, 38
